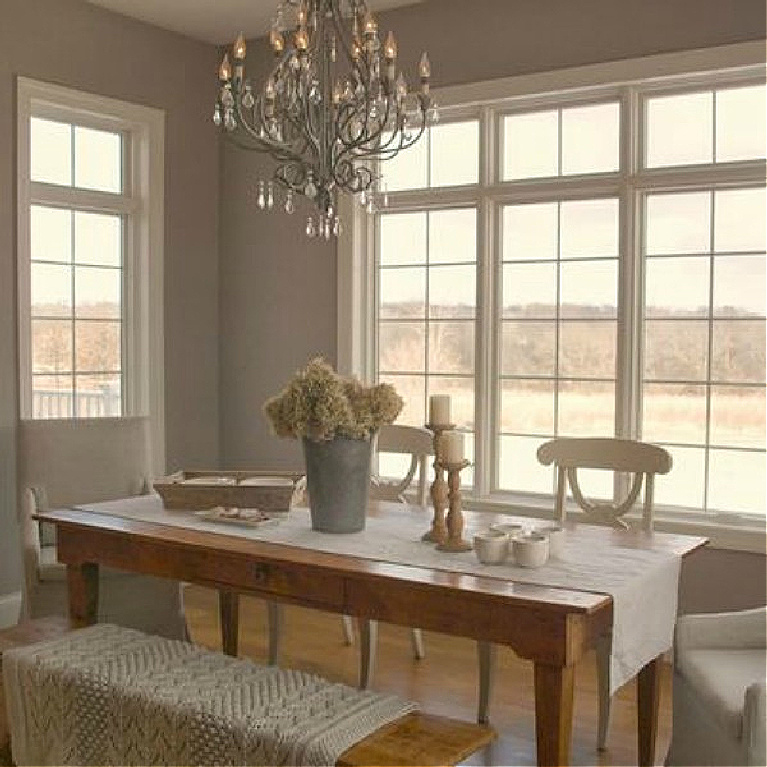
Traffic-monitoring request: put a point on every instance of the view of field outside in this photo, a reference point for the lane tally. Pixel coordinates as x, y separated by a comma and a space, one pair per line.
703, 342
76, 277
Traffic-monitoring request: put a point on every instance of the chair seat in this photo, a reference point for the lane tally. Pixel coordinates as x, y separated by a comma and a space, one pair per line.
50, 569
721, 677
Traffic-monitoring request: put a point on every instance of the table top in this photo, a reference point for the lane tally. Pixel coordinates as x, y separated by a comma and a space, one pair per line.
230, 540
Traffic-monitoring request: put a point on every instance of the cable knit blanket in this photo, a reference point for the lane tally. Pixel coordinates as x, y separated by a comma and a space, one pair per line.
108, 695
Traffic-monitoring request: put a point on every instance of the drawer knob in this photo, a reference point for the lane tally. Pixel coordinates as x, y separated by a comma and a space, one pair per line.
260, 572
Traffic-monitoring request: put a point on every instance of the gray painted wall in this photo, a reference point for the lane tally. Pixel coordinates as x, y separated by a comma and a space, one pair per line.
278, 289
75, 44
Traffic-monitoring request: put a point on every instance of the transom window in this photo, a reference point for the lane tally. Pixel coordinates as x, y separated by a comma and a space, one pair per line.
590, 282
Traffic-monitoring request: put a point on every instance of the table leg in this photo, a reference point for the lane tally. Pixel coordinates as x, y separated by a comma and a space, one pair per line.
229, 615
553, 713
648, 698
83, 585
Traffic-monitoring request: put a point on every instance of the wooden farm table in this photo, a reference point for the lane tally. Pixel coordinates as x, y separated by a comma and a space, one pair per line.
552, 627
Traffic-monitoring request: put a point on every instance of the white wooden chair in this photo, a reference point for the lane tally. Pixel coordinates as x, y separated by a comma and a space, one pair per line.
76, 461
569, 454
395, 439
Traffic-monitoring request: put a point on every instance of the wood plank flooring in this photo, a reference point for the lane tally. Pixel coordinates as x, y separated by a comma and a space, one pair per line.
444, 682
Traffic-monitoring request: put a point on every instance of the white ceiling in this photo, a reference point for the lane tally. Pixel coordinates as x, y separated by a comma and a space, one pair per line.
213, 21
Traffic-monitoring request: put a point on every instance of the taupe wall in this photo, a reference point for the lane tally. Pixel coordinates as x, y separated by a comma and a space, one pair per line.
278, 289
72, 43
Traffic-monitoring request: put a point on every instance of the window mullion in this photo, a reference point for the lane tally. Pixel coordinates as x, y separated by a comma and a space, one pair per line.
630, 283
485, 363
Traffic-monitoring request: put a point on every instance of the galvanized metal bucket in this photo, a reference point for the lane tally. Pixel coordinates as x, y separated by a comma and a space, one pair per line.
338, 481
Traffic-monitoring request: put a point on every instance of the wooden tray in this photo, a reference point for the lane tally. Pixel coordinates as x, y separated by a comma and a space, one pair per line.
268, 491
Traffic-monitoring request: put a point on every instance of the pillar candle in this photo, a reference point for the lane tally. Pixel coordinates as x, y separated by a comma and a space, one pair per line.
439, 410
452, 447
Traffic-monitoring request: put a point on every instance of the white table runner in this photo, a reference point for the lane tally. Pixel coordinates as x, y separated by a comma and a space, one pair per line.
635, 569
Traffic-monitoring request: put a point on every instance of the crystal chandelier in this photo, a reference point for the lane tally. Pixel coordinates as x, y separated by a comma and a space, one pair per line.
331, 109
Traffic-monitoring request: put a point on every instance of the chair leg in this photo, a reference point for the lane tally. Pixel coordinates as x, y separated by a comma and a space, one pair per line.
486, 658
416, 638
603, 651
368, 643
275, 621
348, 627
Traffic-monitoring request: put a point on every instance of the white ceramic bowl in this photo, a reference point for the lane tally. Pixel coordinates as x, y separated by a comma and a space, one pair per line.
531, 550
491, 547
509, 528
556, 536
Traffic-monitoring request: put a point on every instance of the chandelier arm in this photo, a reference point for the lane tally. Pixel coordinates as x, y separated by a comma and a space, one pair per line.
262, 143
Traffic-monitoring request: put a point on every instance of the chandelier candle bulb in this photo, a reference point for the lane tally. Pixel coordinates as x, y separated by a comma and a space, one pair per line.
240, 48
225, 70
453, 447
439, 410
277, 42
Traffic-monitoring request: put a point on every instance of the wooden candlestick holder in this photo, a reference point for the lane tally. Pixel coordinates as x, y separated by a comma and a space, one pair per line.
439, 489
454, 540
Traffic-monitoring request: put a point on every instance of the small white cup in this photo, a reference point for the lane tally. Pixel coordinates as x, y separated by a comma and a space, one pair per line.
511, 529
531, 549
491, 547
556, 536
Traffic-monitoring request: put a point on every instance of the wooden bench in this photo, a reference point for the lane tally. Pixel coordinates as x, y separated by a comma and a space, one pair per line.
416, 739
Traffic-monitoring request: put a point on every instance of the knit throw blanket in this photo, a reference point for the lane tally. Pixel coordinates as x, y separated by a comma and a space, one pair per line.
113, 696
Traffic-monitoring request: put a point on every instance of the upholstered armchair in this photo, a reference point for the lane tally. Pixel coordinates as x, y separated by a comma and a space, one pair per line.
719, 690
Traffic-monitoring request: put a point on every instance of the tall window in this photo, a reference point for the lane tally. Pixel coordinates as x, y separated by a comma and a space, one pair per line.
595, 265
76, 272
86, 223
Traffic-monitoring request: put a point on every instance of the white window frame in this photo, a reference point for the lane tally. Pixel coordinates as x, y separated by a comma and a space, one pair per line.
142, 205
629, 80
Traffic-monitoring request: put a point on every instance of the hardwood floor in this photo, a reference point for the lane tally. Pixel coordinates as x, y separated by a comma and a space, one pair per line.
444, 682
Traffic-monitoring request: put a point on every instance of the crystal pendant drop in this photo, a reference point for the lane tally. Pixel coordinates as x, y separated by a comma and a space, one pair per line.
314, 93
270, 195
247, 98
310, 189
310, 227
217, 116
229, 121
261, 201
336, 226
434, 113
326, 228
363, 198
289, 206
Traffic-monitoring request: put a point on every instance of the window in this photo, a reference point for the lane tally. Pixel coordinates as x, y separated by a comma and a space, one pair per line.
594, 264
86, 281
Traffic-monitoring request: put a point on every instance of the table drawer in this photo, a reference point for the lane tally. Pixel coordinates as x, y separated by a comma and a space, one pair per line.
296, 581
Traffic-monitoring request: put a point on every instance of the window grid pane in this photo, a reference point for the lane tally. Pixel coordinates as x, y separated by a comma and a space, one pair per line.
76, 313
704, 345
427, 313
559, 333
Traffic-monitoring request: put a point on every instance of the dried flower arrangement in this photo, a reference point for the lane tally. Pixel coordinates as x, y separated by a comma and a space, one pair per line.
320, 404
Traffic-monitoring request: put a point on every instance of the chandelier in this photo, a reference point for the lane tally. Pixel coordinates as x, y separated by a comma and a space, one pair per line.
331, 109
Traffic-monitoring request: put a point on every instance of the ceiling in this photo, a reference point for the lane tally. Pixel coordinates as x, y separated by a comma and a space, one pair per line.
212, 21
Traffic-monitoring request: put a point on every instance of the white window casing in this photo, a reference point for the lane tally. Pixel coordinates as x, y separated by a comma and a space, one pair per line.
140, 204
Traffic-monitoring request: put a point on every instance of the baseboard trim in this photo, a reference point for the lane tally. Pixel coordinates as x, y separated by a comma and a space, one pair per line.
10, 608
